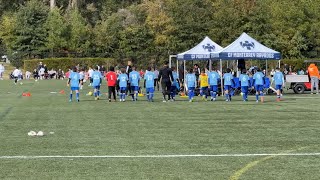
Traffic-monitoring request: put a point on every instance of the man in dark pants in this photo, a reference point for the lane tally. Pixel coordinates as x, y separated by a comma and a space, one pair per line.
128, 71
166, 79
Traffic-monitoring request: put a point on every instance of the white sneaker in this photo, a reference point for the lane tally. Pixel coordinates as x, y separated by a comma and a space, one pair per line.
257, 101
164, 100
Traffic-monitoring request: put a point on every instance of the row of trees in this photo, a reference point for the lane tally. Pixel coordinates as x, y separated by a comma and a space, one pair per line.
150, 30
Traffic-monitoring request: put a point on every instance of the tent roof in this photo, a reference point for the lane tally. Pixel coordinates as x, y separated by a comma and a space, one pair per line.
201, 51
245, 47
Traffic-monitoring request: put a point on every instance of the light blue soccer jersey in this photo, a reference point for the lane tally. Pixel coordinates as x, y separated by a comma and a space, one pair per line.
244, 79
213, 78
258, 78
149, 78
175, 77
96, 76
227, 79
123, 79
278, 78
134, 78
191, 80
74, 79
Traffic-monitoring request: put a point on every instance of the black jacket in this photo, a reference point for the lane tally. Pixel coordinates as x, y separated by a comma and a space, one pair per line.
165, 74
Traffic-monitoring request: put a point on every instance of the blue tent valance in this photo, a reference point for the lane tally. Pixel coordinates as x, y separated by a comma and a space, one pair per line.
245, 47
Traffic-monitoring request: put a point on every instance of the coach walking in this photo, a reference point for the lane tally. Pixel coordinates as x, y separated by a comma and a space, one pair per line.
166, 79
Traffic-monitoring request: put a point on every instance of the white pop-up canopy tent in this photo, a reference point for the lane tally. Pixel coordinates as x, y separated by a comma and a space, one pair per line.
201, 51
245, 47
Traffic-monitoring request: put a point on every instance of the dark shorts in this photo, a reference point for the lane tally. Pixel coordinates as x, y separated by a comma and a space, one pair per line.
227, 87
150, 90
123, 88
96, 87
134, 88
278, 87
204, 88
258, 87
214, 88
191, 88
244, 89
74, 88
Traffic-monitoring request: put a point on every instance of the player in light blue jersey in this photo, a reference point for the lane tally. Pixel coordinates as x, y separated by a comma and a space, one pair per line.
213, 78
96, 82
74, 83
149, 84
244, 83
228, 81
134, 79
278, 79
123, 82
258, 82
175, 84
191, 84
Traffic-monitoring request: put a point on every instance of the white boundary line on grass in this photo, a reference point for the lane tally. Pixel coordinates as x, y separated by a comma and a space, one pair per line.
161, 156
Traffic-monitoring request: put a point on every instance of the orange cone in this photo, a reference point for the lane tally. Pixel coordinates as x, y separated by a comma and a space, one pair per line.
62, 92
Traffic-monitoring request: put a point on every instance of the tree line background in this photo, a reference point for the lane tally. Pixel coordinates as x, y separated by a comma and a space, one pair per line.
150, 30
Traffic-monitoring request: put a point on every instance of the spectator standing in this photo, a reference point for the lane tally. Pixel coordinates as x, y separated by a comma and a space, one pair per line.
28, 74
156, 80
166, 79
1, 71
314, 76
35, 74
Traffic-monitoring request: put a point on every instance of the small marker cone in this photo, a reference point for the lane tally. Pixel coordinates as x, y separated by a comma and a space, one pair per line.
61, 92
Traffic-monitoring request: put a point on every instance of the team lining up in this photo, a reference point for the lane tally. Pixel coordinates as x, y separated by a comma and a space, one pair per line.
208, 84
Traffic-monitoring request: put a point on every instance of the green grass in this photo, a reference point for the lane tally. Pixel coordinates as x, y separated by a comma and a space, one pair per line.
141, 128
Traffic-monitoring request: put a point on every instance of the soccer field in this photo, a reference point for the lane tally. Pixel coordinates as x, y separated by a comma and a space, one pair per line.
144, 140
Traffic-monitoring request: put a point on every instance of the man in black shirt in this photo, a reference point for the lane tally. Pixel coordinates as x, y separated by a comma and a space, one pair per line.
166, 79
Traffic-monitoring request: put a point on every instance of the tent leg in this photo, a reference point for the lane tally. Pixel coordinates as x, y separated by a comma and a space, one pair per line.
184, 76
169, 61
266, 68
279, 64
221, 81
210, 65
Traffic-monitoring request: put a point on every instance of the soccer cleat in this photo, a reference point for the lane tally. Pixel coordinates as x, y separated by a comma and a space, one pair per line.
70, 100
164, 100
227, 100
96, 98
190, 100
78, 100
257, 101
109, 100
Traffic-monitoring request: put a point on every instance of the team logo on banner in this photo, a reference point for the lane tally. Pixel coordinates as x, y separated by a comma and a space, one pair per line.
209, 47
247, 44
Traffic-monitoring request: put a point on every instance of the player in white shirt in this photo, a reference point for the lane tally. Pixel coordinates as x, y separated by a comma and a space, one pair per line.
28, 74
1, 71
41, 73
16, 73
81, 73
90, 75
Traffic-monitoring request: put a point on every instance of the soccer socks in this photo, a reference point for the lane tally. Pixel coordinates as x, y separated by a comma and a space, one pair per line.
70, 97
190, 94
95, 94
77, 95
227, 97
257, 97
211, 94
98, 93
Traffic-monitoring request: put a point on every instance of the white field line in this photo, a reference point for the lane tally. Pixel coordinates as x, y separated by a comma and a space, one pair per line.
160, 156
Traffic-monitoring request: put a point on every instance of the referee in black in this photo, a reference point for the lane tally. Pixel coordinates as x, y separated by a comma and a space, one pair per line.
166, 79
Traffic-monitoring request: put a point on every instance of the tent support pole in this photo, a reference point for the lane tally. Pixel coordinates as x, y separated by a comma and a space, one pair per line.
170, 61
184, 76
210, 65
237, 72
266, 68
279, 64
221, 81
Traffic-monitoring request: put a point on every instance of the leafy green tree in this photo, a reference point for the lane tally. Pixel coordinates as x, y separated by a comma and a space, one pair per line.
57, 31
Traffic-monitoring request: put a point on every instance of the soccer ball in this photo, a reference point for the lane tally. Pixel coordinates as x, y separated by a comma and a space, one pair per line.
241, 94
32, 133
90, 93
40, 133
21, 83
